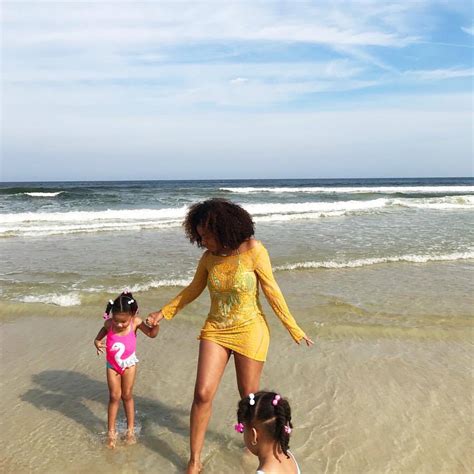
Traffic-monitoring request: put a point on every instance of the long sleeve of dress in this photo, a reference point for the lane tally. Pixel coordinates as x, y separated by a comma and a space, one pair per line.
190, 293
274, 296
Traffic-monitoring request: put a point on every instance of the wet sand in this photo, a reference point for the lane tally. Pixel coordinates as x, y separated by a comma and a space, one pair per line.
379, 393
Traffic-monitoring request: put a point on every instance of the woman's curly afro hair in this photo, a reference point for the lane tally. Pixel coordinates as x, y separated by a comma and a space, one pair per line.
229, 223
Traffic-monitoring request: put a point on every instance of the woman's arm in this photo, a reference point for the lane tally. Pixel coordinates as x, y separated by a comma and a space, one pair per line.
274, 296
189, 294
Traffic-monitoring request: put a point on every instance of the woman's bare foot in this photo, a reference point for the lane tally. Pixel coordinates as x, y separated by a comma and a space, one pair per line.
194, 467
111, 439
130, 437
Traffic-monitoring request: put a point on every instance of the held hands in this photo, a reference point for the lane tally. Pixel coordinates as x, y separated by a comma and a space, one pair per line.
309, 342
154, 319
99, 345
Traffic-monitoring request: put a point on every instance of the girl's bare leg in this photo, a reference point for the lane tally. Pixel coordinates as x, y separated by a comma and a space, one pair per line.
128, 380
115, 392
212, 361
248, 373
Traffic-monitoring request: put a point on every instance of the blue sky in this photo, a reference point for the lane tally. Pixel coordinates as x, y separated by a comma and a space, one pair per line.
196, 90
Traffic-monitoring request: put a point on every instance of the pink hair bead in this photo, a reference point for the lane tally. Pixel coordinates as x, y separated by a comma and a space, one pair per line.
276, 400
239, 427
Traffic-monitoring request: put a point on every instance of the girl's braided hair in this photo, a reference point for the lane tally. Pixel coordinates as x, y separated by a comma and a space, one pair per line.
125, 303
275, 419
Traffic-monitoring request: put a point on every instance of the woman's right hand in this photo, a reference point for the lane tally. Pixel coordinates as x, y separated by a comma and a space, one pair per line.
154, 319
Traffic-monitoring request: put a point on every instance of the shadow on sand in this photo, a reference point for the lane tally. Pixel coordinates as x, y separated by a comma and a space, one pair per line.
65, 391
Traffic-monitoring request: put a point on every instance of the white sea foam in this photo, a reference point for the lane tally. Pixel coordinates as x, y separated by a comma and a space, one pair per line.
74, 299
444, 203
278, 209
37, 194
363, 262
39, 224
121, 215
52, 223
355, 190
69, 299
144, 286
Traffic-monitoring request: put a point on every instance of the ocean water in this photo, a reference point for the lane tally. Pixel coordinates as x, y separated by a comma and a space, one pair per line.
65, 242
378, 271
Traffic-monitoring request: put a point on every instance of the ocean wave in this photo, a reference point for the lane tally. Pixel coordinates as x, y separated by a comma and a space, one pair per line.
144, 286
354, 190
55, 223
129, 215
69, 299
303, 208
444, 203
41, 224
363, 262
74, 298
43, 194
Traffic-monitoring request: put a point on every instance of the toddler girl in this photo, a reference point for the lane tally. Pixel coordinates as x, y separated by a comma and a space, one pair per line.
265, 420
120, 327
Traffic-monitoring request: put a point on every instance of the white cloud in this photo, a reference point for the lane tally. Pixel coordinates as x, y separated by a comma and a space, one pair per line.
126, 77
355, 23
440, 74
239, 80
183, 85
468, 30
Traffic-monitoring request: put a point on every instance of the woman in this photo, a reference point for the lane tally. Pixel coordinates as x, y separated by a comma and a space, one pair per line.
232, 267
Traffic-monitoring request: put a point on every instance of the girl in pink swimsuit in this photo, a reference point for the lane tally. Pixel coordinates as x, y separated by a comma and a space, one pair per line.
120, 328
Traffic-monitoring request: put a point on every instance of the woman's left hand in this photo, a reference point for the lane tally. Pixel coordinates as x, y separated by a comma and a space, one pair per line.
309, 342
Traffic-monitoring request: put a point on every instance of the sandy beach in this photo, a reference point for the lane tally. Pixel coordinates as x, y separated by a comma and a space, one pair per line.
371, 396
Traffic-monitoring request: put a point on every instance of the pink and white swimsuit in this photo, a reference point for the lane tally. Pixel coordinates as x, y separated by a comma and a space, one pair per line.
120, 350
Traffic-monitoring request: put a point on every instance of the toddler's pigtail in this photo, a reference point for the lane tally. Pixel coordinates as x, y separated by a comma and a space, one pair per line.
109, 307
283, 425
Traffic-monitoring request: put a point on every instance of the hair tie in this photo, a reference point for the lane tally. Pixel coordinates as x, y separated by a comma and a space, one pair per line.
251, 398
276, 400
106, 316
239, 427
287, 429
126, 291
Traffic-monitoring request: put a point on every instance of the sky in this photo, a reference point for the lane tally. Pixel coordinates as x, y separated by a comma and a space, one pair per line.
241, 89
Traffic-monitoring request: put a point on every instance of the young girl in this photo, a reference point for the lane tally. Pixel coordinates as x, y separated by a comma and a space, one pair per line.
265, 420
121, 331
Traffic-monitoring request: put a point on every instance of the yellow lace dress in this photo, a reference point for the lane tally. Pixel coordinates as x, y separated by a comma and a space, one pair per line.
236, 320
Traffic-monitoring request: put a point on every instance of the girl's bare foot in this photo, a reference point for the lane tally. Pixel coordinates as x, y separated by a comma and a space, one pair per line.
111, 439
194, 467
130, 437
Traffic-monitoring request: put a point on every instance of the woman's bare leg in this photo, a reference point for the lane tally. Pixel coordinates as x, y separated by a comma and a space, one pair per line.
248, 373
212, 361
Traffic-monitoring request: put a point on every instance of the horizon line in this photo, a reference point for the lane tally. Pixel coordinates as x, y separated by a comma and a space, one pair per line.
228, 179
